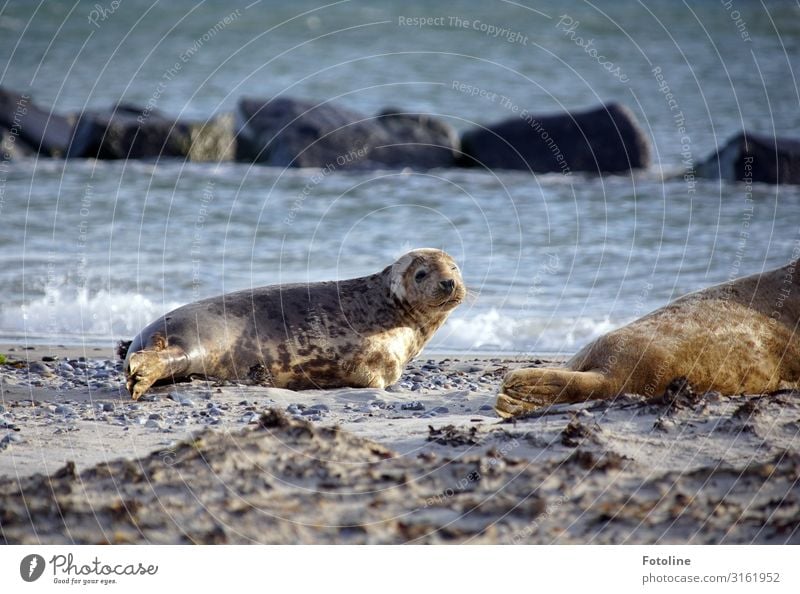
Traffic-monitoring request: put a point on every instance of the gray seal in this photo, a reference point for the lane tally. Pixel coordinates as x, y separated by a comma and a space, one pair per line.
359, 332
742, 336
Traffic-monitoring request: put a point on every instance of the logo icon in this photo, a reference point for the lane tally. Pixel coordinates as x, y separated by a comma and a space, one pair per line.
31, 567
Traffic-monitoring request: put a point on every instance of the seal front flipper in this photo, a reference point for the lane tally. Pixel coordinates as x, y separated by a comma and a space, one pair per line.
525, 390
148, 366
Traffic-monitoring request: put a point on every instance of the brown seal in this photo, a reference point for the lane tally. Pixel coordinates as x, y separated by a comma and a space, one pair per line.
737, 337
359, 332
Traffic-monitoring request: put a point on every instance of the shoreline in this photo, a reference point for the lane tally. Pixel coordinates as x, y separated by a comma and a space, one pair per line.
426, 460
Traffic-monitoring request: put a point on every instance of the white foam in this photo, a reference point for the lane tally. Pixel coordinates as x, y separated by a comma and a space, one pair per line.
495, 330
101, 316
77, 312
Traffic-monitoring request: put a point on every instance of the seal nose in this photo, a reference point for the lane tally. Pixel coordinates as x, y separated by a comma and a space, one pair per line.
448, 285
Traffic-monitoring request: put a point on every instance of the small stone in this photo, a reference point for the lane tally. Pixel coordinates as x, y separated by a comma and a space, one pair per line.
486, 407
65, 367
7, 425
440, 410
62, 409
187, 402
9, 439
40, 368
155, 417
48, 359
216, 412
152, 424
108, 407
414, 405
320, 407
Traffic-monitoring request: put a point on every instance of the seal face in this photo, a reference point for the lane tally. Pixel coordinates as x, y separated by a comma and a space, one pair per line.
741, 336
358, 332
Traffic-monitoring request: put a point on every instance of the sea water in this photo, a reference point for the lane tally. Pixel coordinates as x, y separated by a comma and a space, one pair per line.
94, 250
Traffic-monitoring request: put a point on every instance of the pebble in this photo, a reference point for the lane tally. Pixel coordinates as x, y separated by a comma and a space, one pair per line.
152, 424
155, 417
440, 410
320, 407
486, 407
414, 405
248, 418
108, 407
40, 368
9, 439
65, 367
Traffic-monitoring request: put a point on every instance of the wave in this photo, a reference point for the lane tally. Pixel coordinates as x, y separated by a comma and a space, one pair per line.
79, 314
104, 316
496, 330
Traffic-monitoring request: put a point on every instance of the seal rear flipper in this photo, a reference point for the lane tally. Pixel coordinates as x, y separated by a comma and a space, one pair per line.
148, 366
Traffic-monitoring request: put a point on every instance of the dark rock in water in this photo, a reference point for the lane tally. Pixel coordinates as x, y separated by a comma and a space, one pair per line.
755, 158
26, 129
288, 132
13, 147
417, 140
128, 132
607, 139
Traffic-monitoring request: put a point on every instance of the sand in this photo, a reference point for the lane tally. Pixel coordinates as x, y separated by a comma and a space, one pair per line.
426, 461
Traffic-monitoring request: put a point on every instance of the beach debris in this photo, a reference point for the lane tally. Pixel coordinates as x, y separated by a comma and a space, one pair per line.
450, 435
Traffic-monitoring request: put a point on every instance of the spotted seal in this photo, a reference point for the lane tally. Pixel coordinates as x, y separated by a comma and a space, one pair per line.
359, 332
737, 337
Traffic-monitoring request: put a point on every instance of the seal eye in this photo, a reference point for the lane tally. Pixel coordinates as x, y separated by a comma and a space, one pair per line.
420, 275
